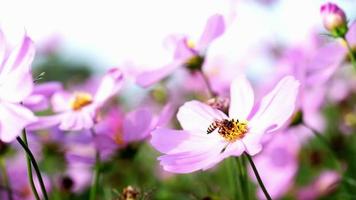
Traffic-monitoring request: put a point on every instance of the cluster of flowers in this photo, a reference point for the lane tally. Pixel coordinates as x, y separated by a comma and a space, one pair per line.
270, 122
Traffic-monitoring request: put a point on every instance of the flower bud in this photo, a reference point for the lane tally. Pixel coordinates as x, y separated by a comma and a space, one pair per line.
334, 19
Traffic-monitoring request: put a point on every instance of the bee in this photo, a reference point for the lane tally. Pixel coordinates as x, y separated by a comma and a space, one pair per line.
223, 126
213, 126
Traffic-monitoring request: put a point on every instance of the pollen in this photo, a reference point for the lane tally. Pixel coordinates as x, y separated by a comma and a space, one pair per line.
230, 130
80, 100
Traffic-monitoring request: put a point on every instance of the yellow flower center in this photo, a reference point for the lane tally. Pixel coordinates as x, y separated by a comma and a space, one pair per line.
190, 43
80, 100
230, 130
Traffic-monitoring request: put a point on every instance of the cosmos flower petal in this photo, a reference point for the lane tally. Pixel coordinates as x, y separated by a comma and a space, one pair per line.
242, 98
76, 121
109, 86
276, 107
177, 141
13, 119
148, 78
351, 34
137, 125
45, 122
197, 116
214, 28
190, 161
38, 100
20, 82
2, 47
252, 143
61, 101
183, 51
20, 58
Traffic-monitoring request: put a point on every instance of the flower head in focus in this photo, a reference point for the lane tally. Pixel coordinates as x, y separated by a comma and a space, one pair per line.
187, 53
16, 85
209, 135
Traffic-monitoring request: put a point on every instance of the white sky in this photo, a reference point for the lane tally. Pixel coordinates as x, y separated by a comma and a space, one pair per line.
110, 32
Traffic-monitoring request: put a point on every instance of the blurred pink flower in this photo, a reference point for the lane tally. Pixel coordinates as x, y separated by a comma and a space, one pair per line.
15, 86
117, 130
78, 111
17, 173
323, 185
279, 161
186, 53
209, 136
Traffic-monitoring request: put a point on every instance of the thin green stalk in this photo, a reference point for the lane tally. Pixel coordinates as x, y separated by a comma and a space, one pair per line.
35, 166
260, 182
212, 94
29, 169
350, 52
6, 178
96, 176
242, 177
245, 177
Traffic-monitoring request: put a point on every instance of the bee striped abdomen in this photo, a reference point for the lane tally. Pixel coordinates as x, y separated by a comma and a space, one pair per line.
213, 126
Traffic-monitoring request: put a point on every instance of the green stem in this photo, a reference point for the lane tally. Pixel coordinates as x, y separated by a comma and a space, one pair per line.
32, 159
243, 177
6, 178
95, 180
350, 52
268, 197
235, 185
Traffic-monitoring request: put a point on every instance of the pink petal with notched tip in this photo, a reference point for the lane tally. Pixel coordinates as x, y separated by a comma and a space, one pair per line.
13, 119
109, 86
197, 117
242, 98
276, 107
214, 28
148, 78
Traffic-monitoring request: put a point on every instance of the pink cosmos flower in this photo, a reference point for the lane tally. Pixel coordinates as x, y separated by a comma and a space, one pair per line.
117, 130
15, 85
323, 185
78, 111
209, 135
186, 53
